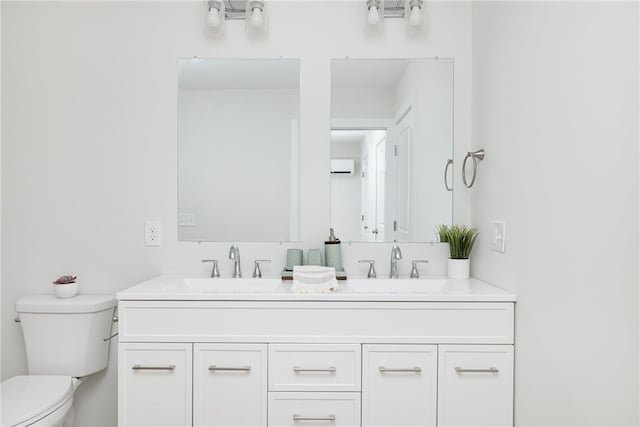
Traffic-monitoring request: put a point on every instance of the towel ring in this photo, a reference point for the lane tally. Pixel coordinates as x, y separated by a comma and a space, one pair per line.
475, 155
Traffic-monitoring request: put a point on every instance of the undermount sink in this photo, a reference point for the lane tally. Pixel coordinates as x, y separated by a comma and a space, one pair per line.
394, 286
233, 285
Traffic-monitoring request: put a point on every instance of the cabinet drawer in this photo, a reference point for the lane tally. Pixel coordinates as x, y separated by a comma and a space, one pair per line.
475, 385
230, 385
399, 385
314, 367
154, 384
314, 409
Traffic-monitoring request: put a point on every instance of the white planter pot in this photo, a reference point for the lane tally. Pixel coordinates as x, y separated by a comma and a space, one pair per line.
458, 268
67, 290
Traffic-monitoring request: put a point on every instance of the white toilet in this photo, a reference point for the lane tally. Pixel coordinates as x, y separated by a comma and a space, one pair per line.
66, 340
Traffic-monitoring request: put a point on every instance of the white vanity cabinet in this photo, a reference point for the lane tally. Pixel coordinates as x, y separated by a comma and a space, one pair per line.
314, 409
399, 385
314, 367
154, 384
475, 385
230, 385
278, 359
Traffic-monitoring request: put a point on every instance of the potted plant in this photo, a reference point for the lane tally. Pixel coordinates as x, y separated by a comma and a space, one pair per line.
461, 239
66, 287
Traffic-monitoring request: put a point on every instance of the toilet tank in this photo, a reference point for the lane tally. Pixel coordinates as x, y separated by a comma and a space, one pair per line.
66, 336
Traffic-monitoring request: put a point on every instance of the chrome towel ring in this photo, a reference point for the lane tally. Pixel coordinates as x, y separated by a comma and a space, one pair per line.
475, 155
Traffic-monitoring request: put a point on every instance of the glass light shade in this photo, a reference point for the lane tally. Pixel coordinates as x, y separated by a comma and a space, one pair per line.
257, 17
415, 18
213, 18
373, 17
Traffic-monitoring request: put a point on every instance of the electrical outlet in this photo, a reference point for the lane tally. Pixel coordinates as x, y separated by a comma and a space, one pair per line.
152, 233
187, 219
498, 236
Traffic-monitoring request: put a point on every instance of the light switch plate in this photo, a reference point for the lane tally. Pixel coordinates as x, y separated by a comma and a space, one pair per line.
152, 233
498, 236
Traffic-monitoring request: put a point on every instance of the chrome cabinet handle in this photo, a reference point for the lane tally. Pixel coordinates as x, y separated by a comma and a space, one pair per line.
153, 368
491, 370
330, 417
245, 368
414, 369
446, 180
299, 369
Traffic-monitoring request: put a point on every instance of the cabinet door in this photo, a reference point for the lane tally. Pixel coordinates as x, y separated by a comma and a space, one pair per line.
399, 385
314, 409
154, 384
230, 385
475, 385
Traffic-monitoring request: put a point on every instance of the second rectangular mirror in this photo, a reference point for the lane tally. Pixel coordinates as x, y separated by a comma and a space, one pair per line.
391, 145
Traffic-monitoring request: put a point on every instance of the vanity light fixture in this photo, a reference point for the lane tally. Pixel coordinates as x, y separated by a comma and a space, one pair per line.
215, 16
255, 13
373, 11
415, 12
251, 11
380, 9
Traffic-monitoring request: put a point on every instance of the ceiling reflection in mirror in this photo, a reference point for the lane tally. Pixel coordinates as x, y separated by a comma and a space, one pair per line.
238, 149
391, 148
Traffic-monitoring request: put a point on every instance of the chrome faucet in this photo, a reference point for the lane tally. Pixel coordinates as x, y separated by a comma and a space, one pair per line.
396, 254
234, 254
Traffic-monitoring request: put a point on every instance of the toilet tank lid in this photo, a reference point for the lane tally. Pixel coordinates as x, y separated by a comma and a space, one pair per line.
77, 304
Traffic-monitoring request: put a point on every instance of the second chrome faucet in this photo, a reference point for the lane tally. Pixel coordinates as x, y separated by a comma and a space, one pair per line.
234, 255
396, 255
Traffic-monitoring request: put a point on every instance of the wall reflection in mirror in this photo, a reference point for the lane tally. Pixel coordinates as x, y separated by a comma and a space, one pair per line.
238, 149
391, 141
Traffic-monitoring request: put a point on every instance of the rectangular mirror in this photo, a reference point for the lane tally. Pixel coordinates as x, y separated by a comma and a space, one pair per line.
391, 148
238, 149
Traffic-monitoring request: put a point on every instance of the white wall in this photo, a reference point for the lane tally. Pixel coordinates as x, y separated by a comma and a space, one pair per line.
1, 305
362, 103
235, 145
346, 193
555, 105
89, 141
427, 86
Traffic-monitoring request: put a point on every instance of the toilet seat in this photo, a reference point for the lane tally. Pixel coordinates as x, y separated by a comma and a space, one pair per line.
29, 398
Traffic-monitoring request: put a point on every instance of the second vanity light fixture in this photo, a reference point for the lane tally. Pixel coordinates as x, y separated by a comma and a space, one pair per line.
410, 9
252, 11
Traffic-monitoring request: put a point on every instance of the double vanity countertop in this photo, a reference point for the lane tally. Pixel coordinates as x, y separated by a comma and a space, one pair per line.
175, 287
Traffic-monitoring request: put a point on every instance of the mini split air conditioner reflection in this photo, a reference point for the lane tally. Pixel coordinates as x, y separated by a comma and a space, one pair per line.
343, 166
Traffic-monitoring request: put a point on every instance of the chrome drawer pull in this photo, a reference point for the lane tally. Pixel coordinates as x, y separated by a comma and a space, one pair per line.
245, 368
153, 368
414, 369
491, 370
299, 369
329, 417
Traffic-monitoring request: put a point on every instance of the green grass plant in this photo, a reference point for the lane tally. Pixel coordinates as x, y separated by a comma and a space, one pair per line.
461, 239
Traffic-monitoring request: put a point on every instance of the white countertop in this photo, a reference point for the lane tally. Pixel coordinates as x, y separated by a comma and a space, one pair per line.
428, 289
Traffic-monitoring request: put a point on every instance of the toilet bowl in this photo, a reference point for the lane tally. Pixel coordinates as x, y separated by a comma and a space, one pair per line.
37, 400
